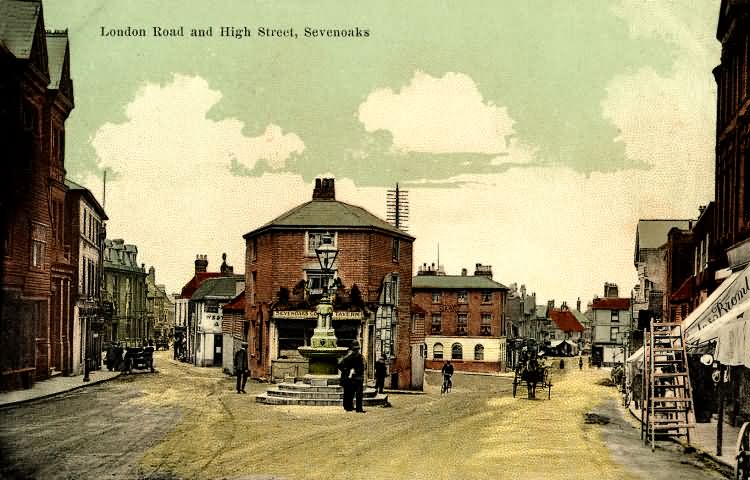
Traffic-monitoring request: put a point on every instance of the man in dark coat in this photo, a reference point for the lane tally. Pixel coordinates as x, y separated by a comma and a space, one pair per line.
352, 368
240, 367
381, 371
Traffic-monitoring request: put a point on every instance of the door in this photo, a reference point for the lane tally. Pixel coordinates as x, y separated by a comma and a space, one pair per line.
218, 357
418, 353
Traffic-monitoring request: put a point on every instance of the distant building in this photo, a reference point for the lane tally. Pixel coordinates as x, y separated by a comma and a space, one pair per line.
566, 332
234, 328
159, 307
612, 325
185, 326
465, 319
206, 306
125, 288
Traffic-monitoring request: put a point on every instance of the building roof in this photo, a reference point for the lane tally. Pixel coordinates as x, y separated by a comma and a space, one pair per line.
117, 255
565, 320
653, 233
57, 44
18, 22
322, 214
237, 304
90, 198
455, 282
191, 286
611, 304
218, 288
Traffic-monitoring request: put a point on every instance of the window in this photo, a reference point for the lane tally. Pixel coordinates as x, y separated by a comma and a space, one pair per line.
437, 297
37, 254
313, 240
253, 288
437, 321
30, 114
462, 323
316, 281
613, 331
479, 352
487, 296
485, 327
254, 249
395, 249
463, 296
615, 316
457, 352
437, 351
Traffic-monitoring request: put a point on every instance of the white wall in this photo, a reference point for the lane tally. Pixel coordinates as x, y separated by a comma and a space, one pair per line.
494, 348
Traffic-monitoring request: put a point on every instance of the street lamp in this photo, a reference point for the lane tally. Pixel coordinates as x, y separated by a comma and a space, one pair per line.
326, 253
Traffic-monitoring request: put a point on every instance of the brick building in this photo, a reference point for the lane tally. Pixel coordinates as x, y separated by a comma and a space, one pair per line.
464, 318
372, 277
36, 97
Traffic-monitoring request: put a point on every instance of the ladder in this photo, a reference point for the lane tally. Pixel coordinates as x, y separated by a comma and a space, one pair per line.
667, 397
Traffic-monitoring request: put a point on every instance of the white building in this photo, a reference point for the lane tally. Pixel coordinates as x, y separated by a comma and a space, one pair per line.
206, 303
612, 325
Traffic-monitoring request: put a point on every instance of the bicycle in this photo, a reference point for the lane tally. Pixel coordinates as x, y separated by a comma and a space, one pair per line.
447, 384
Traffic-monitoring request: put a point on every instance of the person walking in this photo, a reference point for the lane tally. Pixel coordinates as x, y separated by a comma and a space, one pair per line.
240, 367
580, 362
562, 364
352, 368
381, 371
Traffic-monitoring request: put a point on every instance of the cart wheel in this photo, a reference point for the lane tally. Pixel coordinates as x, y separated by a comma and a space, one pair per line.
742, 467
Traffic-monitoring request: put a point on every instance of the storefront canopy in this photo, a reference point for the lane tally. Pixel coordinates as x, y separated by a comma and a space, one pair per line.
732, 292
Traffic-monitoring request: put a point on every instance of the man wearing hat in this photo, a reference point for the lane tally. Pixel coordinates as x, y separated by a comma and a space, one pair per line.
240, 367
352, 368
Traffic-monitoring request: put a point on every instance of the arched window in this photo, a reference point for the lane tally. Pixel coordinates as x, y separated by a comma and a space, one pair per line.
479, 352
457, 352
437, 351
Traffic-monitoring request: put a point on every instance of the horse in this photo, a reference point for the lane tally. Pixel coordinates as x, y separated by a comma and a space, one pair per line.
532, 373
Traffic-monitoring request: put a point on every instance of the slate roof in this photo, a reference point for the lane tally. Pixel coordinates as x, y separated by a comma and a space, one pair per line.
18, 21
565, 320
223, 288
455, 282
57, 43
113, 259
189, 289
329, 214
89, 197
611, 304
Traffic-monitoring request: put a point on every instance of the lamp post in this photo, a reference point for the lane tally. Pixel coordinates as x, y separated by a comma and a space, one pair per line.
323, 352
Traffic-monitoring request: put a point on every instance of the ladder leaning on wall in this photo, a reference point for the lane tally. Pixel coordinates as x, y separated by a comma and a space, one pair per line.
667, 397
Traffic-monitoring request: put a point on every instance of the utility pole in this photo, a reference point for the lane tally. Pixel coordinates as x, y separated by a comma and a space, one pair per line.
397, 207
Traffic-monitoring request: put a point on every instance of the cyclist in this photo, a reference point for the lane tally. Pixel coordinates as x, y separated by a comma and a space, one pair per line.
447, 372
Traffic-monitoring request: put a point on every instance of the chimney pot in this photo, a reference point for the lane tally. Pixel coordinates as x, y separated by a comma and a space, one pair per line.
325, 189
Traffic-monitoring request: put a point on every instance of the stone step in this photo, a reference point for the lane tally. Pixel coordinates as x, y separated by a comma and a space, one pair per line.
274, 392
378, 400
304, 387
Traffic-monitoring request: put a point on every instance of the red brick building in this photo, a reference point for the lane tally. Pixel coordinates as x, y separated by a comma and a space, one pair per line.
36, 97
462, 317
372, 277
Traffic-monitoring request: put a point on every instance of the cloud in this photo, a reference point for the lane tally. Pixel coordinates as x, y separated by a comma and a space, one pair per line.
439, 115
167, 127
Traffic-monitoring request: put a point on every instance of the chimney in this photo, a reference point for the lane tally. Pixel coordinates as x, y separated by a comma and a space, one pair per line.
324, 189
152, 274
464, 272
201, 263
578, 304
226, 270
483, 270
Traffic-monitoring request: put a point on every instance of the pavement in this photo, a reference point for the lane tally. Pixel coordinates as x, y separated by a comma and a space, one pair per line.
703, 439
54, 386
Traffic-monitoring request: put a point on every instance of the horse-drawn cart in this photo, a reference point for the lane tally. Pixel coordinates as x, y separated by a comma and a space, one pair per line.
139, 358
531, 372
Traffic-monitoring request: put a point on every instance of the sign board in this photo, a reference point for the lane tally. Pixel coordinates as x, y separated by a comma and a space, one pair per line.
311, 315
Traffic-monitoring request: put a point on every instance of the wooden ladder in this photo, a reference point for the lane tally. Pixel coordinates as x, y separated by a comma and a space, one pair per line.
667, 408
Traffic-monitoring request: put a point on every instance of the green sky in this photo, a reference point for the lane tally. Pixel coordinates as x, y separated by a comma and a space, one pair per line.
547, 62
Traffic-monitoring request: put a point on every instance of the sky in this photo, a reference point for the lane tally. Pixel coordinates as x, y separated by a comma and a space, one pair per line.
530, 135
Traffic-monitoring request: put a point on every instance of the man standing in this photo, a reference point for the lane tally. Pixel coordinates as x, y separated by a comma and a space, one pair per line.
352, 368
240, 367
381, 371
